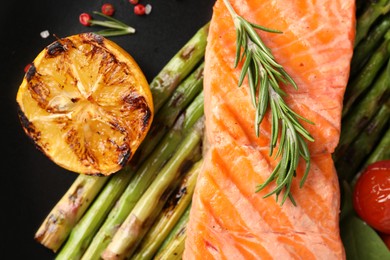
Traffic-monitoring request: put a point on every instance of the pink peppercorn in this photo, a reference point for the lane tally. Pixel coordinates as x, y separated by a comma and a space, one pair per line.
85, 19
139, 9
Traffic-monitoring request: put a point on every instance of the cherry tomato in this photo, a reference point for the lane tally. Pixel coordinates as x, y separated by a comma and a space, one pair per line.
85, 19
371, 197
108, 9
133, 2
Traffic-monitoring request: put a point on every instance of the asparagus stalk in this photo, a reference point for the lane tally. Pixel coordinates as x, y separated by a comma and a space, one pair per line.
365, 48
66, 213
173, 246
179, 67
63, 217
356, 154
367, 75
137, 223
181, 97
143, 177
173, 210
382, 150
374, 10
362, 113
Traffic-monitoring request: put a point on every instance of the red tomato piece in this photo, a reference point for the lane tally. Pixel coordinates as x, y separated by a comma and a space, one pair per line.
371, 197
108, 9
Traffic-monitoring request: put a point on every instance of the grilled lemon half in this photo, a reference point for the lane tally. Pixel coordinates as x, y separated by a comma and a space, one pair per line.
86, 104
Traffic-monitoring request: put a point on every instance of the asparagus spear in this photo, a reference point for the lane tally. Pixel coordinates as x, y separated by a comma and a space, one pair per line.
356, 154
365, 48
179, 67
173, 210
57, 225
173, 246
366, 76
181, 97
362, 113
137, 223
143, 178
374, 10
382, 150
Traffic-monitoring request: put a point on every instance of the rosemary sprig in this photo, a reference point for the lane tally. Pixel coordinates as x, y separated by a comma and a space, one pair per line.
264, 77
116, 27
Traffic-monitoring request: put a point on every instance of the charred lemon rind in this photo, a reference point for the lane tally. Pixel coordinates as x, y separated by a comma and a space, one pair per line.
86, 104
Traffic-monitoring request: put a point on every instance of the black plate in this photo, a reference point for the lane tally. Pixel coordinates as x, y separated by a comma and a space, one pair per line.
31, 183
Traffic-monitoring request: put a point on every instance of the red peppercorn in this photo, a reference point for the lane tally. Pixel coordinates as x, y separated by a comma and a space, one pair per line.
85, 19
108, 9
133, 2
139, 9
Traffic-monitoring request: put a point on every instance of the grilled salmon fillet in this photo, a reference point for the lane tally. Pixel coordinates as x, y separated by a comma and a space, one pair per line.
228, 219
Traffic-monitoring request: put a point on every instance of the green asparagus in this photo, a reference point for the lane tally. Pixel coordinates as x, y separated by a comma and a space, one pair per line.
168, 114
366, 76
173, 246
357, 152
143, 178
66, 213
364, 50
364, 22
381, 151
147, 208
173, 210
179, 67
362, 113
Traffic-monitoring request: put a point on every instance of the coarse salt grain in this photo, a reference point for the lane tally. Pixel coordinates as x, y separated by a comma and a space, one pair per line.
45, 34
148, 9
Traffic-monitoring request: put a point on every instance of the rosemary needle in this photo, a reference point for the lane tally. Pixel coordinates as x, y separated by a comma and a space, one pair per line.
264, 76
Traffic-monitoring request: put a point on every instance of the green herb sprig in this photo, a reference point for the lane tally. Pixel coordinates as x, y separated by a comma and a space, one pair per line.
264, 77
115, 27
